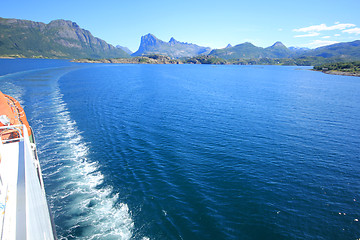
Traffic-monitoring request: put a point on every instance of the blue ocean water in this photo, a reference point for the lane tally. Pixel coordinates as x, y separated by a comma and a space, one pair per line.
193, 151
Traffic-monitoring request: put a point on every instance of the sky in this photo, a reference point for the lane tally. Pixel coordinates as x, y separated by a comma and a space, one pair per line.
207, 23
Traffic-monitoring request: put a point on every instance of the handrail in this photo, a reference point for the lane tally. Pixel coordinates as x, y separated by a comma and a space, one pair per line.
19, 128
21, 194
11, 140
11, 126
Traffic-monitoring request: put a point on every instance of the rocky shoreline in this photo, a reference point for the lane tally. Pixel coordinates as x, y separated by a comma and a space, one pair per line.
333, 72
157, 59
134, 60
5, 57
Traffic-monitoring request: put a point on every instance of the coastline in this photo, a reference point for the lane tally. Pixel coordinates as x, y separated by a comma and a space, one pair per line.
333, 72
135, 60
160, 59
156, 59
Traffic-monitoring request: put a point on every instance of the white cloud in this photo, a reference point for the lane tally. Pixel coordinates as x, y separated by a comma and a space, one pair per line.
341, 26
323, 27
311, 28
313, 34
321, 43
325, 37
352, 30
337, 35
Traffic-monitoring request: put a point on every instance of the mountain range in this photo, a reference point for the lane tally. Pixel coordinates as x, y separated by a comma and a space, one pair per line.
248, 50
346, 51
65, 39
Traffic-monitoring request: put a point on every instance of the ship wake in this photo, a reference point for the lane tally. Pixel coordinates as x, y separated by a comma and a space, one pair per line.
84, 207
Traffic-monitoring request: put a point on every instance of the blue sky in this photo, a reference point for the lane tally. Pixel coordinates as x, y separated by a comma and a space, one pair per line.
207, 23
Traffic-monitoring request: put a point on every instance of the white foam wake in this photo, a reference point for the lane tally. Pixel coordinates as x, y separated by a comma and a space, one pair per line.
83, 207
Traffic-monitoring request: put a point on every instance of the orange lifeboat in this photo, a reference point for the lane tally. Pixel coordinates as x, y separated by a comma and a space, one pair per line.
12, 114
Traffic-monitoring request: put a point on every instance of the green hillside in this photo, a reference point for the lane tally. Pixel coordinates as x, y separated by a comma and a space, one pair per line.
58, 39
346, 50
343, 67
278, 50
244, 50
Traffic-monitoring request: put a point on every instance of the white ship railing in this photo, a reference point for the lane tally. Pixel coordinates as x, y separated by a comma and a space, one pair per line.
19, 128
30, 212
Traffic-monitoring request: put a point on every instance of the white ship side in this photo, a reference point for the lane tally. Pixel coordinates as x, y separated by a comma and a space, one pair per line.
24, 212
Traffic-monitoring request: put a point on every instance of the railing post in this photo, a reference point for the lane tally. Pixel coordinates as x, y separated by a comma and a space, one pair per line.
21, 195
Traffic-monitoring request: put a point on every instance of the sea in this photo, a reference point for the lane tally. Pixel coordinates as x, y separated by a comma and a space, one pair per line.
152, 152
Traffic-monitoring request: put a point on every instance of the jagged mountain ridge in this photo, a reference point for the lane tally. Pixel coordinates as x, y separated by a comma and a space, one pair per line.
248, 50
57, 39
152, 45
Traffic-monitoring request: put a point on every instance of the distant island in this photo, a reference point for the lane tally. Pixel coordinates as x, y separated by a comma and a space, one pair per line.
210, 59
342, 68
157, 59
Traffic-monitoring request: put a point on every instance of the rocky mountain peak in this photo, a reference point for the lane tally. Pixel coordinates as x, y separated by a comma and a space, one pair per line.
149, 40
174, 49
173, 41
63, 23
278, 44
